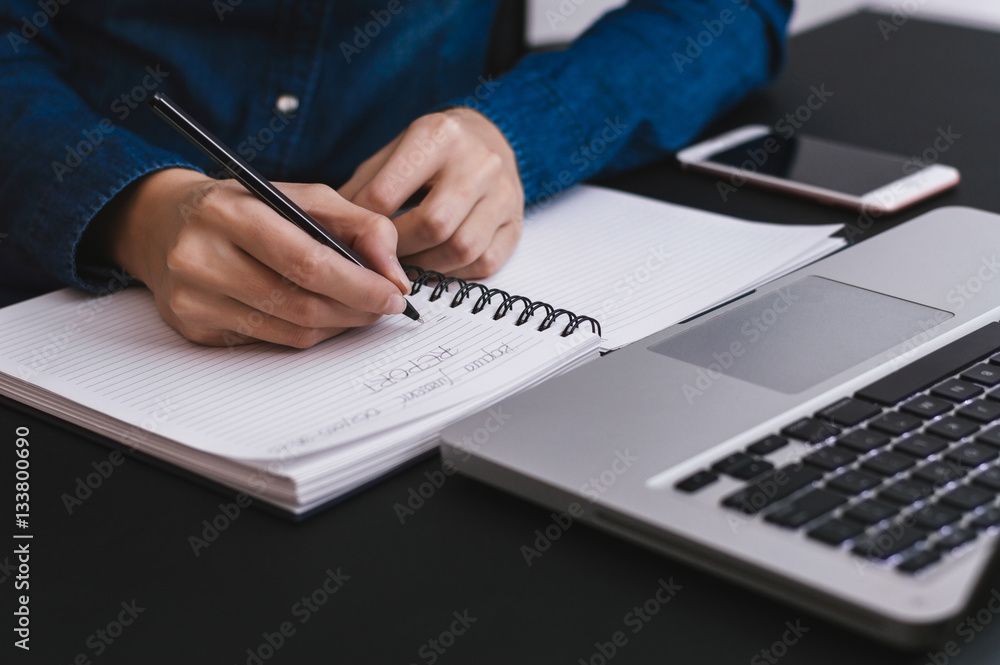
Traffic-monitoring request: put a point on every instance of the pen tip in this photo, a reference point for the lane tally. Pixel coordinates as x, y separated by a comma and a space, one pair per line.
420, 319
411, 312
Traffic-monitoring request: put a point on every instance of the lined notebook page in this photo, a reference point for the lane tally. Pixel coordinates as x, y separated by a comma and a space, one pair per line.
639, 265
116, 355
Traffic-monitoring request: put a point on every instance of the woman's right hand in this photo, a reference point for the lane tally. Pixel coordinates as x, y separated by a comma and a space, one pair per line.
225, 269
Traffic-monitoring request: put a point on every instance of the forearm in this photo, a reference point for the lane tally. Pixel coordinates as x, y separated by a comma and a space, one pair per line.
643, 81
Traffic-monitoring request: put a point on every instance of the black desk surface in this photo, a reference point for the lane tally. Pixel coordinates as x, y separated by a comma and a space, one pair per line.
400, 586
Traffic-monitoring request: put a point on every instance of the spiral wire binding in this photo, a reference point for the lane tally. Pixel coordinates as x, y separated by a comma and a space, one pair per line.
507, 304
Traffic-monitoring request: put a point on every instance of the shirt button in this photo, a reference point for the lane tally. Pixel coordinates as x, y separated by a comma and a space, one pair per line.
287, 104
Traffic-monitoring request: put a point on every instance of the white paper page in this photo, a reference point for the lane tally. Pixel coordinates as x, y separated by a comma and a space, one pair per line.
117, 356
639, 265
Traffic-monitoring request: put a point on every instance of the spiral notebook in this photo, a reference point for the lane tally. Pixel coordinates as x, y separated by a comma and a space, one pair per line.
297, 429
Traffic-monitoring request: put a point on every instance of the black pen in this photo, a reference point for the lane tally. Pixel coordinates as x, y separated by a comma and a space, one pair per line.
247, 176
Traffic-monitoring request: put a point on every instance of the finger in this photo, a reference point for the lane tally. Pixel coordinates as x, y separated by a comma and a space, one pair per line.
475, 259
368, 168
447, 206
227, 322
420, 154
260, 288
292, 253
370, 235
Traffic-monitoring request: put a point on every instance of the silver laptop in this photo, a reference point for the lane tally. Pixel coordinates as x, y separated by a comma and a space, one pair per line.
832, 439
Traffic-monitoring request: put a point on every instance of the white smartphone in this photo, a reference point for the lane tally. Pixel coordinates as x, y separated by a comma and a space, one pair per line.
823, 170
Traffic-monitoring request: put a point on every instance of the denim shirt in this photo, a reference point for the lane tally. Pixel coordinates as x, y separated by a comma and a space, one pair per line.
305, 90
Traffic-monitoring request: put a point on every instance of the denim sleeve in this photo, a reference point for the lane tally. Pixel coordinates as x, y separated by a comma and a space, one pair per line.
61, 161
641, 82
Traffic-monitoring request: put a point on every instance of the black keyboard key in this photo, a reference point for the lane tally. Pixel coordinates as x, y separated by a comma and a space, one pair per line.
982, 411
896, 423
933, 367
697, 481
939, 473
751, 469
871, 512
732, 462
854, 482
830, 458
863, 440
889, 541
986, 519
767, 445
921, 445
987, 375
806, 508
917, 561
957, 390
810, 430
990, 478
933, 517
973, 454
834, 531
771, 487
956, 538
888, 463
926, 406
968, 497
990, 437
849, 412
952, 428
905, 492
741, 466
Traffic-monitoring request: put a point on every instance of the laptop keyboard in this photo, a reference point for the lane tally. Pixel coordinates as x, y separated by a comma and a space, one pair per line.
904, 472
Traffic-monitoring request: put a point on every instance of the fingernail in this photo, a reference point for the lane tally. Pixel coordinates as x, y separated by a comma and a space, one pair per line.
399, 271
396, 304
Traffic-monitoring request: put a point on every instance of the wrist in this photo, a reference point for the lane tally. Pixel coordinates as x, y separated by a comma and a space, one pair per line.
128, 223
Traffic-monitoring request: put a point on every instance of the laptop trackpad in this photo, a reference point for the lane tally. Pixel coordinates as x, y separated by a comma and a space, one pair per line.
804, 333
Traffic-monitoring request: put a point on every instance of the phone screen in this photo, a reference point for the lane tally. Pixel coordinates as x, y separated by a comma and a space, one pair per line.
819, 163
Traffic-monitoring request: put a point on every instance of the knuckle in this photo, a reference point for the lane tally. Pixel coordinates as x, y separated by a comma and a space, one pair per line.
306, 268
436, 226
307, 311
182, 304
380, 194
184, 257
463, 248
303, 338
489, 262
440, 126
492, 163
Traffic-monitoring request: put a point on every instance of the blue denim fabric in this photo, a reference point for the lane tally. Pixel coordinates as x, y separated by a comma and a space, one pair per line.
74, 74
